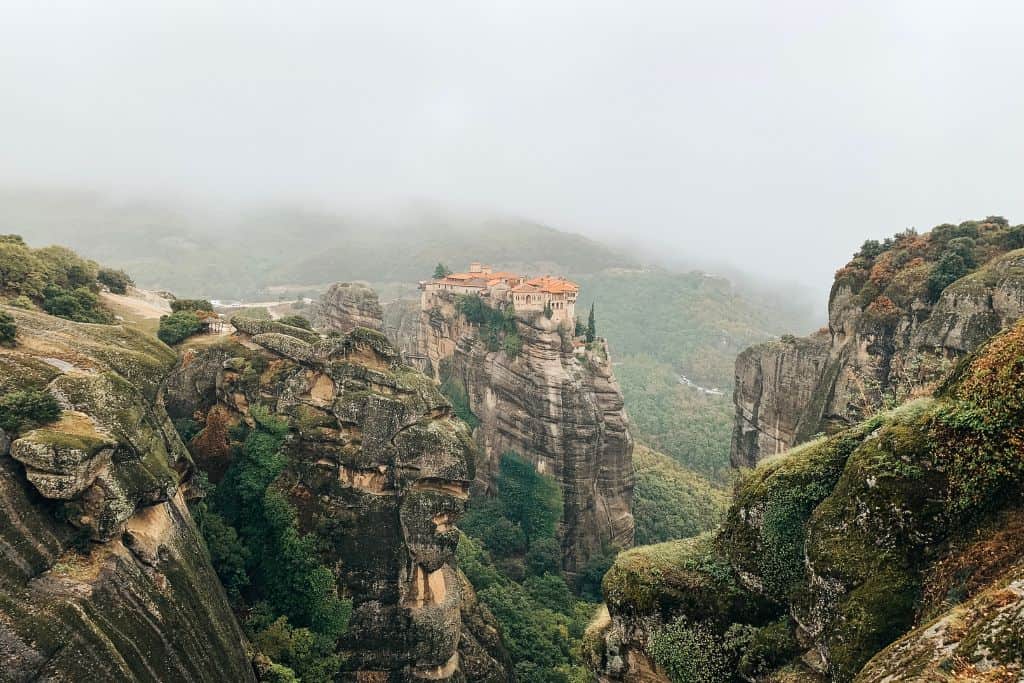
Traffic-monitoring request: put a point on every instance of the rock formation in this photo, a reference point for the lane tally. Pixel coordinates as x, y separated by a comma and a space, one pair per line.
556, 404
888, 551
379, 471
346, 306
886, 340
103, 576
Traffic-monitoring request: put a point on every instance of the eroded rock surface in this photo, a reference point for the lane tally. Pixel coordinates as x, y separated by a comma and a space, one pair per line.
556, 404
889, 551
103, 576
346, 306
379, 469
875, 351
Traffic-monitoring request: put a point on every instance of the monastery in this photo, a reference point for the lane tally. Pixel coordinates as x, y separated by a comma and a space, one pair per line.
525, 294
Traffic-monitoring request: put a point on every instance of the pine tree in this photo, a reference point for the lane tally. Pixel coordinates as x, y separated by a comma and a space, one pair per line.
591, 326
441, 271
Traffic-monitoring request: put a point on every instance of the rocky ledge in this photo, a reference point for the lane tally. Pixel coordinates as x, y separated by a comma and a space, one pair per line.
103, 575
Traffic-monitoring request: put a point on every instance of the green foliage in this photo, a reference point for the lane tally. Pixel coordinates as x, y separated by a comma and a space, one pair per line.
950, 268
441, 271
23, 302
257, 548
193, 305
186, 428
690, 652
79, 304
591, 326
497, 327
542, 623
117, 281
177, 327
8, 329
671, 501
691, 427
528, 498
59, 280
785, 492
543, 557
588, 583
454, 389
306, 654
27, 409
979, 432
227, 553
296, 321
764, 649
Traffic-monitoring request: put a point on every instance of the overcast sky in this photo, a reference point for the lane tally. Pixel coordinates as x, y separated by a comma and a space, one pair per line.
772, 135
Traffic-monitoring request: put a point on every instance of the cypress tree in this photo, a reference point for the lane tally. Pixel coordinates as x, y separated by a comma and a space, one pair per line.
591, 326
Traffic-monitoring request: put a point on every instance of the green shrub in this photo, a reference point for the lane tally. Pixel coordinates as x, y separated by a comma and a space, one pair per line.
23, 302
8, 329
690, 653
530, 499
79, 304
177, 327
496, 326
117, 281
544, 557
296, 321
27, 409
193, 305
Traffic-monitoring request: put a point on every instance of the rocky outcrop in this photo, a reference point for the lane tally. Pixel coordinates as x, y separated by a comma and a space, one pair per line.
888, 551
886, 342
346, 306
103, 576
402, 326
775, 382
554, 403
378, 469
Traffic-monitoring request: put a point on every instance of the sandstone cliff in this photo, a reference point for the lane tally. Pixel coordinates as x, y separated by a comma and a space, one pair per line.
346, 306
557, 405
891, 336
379, 470
103, 576
889, 551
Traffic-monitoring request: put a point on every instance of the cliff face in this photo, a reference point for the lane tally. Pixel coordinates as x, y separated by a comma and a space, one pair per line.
890, 550
346, 306
103, 575
379, 471
561, 408
886, 340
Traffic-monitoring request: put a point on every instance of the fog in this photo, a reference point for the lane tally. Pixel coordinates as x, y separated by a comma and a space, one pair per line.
769, 136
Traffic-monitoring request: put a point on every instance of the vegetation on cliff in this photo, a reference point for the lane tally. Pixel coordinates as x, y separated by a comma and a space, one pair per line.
888, 276
271, 570
512, 556
848, 536
497, 326
54, 279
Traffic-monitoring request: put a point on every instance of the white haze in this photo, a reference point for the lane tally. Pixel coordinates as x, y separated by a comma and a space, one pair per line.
770, 136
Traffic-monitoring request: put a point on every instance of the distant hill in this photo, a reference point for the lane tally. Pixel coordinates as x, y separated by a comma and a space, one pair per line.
248, 254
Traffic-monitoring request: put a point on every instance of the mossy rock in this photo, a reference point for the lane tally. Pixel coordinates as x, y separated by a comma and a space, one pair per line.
681, 578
